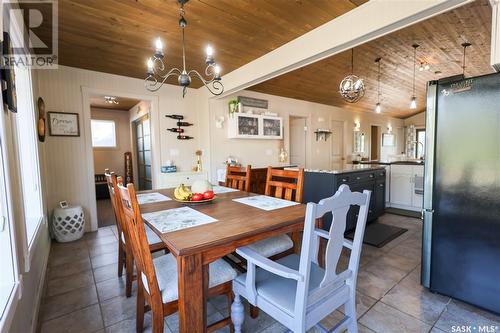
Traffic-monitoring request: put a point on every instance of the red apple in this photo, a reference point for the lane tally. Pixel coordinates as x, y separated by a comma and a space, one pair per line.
197, 197
207, 195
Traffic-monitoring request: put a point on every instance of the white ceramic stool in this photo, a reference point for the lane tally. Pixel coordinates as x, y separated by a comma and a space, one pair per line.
68, 224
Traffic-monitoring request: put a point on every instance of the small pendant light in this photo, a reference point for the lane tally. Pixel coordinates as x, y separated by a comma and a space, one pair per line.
378, 108
413, 103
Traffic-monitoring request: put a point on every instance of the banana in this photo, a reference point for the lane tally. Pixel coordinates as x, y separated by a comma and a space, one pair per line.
183, 193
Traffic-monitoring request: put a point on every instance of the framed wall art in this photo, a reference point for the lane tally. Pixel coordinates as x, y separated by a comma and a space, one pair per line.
63, 124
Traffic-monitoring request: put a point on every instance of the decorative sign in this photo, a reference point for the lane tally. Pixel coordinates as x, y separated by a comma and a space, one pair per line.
253, 102
63, 124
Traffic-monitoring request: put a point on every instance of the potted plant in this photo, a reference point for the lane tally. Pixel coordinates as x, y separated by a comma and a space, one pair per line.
233, 107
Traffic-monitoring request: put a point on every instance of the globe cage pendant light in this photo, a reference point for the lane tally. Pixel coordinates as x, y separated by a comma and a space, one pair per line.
413, 103
378, 107
352, 87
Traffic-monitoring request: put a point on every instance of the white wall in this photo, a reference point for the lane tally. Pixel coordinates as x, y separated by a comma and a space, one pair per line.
261, 153
113, 158
67, 171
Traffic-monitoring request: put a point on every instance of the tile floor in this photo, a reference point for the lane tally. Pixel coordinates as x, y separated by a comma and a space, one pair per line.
83, 293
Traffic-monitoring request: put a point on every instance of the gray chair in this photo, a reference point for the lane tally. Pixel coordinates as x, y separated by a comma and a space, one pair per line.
295, 290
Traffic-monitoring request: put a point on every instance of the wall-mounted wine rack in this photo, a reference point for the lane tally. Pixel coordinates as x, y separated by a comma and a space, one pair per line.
179, 129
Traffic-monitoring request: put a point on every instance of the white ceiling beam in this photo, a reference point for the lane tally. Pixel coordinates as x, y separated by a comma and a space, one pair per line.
371, 20
495, 34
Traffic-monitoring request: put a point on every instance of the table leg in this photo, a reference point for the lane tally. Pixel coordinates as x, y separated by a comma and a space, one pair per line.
193, 283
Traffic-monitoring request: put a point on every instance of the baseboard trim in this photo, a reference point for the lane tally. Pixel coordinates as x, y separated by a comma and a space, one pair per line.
41, 290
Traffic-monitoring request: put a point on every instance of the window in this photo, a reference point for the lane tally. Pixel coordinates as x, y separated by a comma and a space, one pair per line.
103, 133
28, 155
420, 151
9, 284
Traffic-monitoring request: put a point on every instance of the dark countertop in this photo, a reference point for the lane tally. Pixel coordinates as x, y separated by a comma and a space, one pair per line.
348, 168
391, 163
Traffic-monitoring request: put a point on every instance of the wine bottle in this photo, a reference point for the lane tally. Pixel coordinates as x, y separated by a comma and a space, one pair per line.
176, 130
183, 123
184, 137
175, 116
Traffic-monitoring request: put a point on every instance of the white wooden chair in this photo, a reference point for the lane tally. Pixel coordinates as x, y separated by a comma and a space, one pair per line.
295, 290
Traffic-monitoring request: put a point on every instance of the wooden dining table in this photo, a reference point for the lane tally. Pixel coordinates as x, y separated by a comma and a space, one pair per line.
196, 247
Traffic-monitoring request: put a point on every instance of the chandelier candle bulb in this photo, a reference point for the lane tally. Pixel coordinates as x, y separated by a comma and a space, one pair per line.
378, 108
150, 66
217, 72
159, 46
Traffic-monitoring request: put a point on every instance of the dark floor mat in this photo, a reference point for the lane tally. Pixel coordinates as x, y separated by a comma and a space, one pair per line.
379, 234
403, 212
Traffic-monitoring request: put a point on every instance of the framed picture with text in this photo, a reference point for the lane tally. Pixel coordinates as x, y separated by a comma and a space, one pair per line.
63, 124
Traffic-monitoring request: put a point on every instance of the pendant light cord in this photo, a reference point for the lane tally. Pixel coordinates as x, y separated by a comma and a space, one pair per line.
352, 61
414, 65
183, 42
465, 46
378, 79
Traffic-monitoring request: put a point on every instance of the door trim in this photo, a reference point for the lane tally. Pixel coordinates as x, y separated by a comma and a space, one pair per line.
87, 94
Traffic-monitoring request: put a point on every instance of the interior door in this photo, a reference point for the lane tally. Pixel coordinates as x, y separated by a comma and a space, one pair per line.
143, 149
298, 130
337, 151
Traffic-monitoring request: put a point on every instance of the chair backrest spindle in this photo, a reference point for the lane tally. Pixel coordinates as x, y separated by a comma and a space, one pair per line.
238, 177
285, 184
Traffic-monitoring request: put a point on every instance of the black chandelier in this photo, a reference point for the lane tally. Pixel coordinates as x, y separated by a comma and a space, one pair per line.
155, 79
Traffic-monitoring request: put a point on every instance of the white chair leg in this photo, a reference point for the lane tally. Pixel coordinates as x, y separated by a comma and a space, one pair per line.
350, 311
237, 313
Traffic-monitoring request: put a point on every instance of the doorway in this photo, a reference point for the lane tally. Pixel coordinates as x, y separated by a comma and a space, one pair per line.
111, 139
337, 149
375, 143
142, 140
298, 137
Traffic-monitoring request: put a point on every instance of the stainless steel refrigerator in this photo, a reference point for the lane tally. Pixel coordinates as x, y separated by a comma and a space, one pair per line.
461, 234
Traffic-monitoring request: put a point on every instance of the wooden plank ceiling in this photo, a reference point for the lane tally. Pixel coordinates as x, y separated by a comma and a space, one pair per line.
439, 38
124, 103
117, 36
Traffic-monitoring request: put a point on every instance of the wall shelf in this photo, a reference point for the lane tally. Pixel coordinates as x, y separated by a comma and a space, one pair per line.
322, 134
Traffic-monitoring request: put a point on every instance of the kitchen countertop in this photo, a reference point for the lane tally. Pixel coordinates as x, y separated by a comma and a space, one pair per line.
346, 168
391, 163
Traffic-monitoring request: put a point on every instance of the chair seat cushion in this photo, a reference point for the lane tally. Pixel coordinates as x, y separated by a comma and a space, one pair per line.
281, 291
271, 246
166, 274
150, 234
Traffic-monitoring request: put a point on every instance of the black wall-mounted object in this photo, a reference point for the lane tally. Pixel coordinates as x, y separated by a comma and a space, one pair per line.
8, 76
179, 130
175, 116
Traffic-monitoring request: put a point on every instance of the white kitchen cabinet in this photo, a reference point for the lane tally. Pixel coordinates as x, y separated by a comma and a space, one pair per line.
405, 186
254, 126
